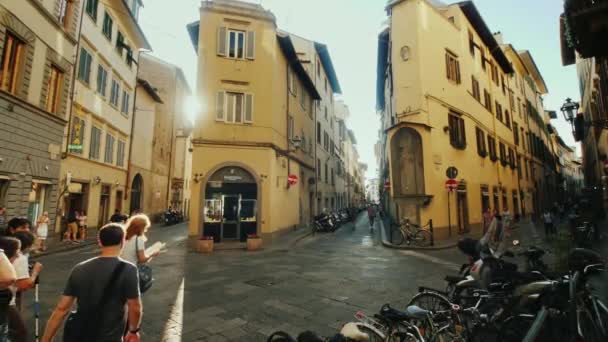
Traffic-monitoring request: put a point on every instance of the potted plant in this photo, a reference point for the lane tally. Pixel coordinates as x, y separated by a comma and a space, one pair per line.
254, 242
205, 245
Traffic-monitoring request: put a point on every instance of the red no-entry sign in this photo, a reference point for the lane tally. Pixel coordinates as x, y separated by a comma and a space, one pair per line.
451, 185
292, 179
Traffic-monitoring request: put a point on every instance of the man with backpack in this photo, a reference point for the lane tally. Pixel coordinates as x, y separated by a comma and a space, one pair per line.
102, 287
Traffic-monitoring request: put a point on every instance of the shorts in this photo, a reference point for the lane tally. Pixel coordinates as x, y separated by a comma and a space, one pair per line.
73, 228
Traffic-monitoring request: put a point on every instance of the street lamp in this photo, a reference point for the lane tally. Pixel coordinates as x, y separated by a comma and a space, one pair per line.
569, 110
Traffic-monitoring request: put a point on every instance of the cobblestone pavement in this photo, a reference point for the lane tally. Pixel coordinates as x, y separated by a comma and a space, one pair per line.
243, 296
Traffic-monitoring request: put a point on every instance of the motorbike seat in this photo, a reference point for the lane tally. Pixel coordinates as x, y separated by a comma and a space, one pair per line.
411, 312
454, 279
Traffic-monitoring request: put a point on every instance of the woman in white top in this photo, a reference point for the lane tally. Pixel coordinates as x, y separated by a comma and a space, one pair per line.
42, 229
135, 245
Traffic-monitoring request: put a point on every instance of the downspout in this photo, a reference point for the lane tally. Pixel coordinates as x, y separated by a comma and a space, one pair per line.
127, 185
70, 115
287, 186
172, 152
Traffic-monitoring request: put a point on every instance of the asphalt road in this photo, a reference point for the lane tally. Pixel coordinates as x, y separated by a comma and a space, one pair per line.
244, 296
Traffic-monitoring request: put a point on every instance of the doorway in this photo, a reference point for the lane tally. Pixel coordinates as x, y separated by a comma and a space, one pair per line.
104, 205
230, 210
118, 205
137, 193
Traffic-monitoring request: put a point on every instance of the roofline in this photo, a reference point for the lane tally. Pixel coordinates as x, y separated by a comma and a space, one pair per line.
474, 17
536, 71
149, 89
178, 70
147, 45
292, 59
328, 66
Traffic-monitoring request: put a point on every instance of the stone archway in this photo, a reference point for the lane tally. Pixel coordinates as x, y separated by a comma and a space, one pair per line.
407, 170
230, 204
137, 192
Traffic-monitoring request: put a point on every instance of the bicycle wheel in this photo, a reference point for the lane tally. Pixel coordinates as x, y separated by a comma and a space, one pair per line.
373, 336
422, 238
588, 328
398, 238
431, 301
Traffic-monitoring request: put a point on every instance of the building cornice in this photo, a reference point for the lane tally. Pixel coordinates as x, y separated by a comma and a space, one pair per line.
20, 102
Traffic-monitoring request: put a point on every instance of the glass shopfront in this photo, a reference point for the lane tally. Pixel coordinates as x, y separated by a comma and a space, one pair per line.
230, 211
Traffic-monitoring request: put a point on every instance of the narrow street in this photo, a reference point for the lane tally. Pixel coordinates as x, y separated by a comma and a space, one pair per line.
235, 295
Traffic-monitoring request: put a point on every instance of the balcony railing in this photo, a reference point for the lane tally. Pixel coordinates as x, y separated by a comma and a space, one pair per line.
586, 26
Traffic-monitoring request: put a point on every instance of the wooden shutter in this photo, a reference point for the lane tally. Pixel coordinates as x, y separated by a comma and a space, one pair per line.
250, 51
447, 66
289, 77
248, 108
220, 106
457, 71
221, 41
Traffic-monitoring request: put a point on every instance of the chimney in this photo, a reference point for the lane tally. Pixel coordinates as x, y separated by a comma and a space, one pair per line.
498, 37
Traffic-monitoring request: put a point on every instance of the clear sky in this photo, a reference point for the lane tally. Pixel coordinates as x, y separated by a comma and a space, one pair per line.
350, 28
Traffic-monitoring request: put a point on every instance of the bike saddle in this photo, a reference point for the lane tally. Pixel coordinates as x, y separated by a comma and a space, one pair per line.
579, 258
411, 312
454, 279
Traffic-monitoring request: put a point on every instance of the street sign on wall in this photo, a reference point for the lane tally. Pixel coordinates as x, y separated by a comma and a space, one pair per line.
451, 185
292, 179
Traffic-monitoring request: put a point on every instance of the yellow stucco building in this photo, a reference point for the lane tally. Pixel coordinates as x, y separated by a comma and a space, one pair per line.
452, 94
95, 170
256, 128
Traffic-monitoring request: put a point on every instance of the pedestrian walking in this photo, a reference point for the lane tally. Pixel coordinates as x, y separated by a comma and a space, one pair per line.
135, 249
82, 225
548, 220
9, 248
117, 217
42, 229
25, 281
107, 293
72, 227
371, 215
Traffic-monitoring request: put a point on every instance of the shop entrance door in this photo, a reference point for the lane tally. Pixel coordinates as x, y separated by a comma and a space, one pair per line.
230, 217
104, 206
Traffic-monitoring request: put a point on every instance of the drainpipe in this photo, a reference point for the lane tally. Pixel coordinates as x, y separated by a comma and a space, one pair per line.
59, 208
127, 185
287, 127
171, 148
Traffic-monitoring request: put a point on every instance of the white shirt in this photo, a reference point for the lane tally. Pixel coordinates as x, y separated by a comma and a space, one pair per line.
22, 270
129, 253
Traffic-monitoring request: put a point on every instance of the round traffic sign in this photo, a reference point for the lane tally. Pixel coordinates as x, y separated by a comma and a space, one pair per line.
292, 179
451, 172
451, 184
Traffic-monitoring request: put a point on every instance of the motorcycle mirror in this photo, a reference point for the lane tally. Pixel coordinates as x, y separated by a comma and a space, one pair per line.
515, 242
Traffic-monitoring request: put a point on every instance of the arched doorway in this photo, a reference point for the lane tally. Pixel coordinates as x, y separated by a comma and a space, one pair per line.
230, 207
137, 193
407, 168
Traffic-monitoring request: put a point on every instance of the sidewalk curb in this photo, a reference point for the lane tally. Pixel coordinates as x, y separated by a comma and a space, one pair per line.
387, 244
63, 250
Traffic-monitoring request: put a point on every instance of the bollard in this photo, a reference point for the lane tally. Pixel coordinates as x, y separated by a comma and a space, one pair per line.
432, 232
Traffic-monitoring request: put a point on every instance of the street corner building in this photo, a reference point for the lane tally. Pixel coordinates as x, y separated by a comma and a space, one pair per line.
266, 146
37, 43
452, 94
95, 174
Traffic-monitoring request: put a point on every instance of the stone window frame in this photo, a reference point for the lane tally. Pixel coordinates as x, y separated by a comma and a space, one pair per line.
74, 20
9, 22
53, 59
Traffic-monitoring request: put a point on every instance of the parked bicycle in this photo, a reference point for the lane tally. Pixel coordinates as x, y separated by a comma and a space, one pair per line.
412, 234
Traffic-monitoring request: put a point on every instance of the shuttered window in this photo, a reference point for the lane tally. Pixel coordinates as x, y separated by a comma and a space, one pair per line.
503, 154
452, 67
84, 66
290, 128
55, 85
318, 133
91, 9
102, 80
109, 151
115, 93
107, 26
492, 148
124, 108
487, 100
235, 44
507, 119
499, 111
234, 107
481, 142
120, 153
457, 132
95, 143
475, 88
515, 133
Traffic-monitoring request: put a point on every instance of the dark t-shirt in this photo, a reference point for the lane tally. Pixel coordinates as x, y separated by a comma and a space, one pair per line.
117, 218
87, 282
